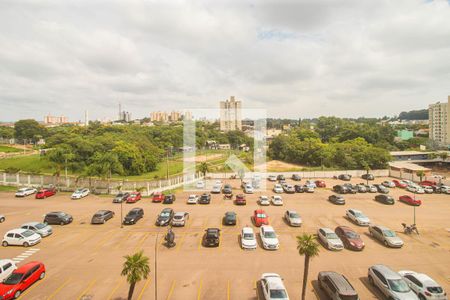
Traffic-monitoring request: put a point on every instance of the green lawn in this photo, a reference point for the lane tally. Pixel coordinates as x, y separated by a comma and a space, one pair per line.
6, 188
31, 163
8, 149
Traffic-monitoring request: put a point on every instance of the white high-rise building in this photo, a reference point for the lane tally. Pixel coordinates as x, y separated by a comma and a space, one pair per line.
230, 115
438, 122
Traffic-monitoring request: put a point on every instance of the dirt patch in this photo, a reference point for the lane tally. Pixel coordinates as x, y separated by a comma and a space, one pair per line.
201, 158
281, 166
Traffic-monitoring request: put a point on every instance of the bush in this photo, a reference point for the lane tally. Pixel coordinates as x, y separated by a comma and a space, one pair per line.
12, 170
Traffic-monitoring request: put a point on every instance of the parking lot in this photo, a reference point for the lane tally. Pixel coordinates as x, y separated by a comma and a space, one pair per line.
84, 261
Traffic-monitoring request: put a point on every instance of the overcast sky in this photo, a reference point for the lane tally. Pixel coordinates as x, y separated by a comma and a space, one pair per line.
294, 58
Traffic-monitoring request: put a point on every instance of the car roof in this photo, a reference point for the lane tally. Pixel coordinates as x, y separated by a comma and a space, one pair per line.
267, 228
291, 211
26, 267
381, 227
167, 209
17, 230
274, 281
212, 230
355, 210
5, 261
345, 228
260, 211
102, 211
136, 209
31, 224
247, 230
327, 230
386, 271
180, 213
341, 283
230, 213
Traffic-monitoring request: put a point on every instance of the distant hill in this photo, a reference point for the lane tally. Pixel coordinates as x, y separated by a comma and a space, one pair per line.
421, 114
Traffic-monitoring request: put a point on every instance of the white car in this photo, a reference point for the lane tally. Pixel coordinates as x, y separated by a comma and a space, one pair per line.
428, 189
357, 217
7, 266
277, 200
43, 229
371, 188
248, 189
264, 200
415, 189
248, 238
216, 189
192, 199
293, 218
389, 184
273, 287
200, 184
21, 237
272, 178
269, 238
180, 219
310, 183
424, 286
309, 189
27, 191
277, 188
445, 189
330, 239
80, 193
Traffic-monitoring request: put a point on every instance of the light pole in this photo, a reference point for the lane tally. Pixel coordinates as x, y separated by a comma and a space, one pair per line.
156, 266
414, 208
121, 213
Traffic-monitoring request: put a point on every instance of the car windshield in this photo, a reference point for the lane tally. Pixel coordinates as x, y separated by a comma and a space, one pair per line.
294, 215
178, 217
14, 278
248, 236
351, 235
27, 233
98, 215
398, 285
332, 236
164, 215
261, 215
435, 289
22, 190
388, 233
278, 294
359, 214
40, 225
270, 234
263, 198
132, 213
79, 191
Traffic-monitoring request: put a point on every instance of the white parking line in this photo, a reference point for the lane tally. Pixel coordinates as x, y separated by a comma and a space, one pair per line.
25, 254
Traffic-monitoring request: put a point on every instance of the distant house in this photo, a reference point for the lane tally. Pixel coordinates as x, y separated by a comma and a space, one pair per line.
224, 146
244, 147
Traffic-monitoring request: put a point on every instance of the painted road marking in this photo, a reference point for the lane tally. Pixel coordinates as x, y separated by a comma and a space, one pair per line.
199, 291
172, 287
52, 295
25, 254
118, 285
144, 288
87, 289
228, 290
141, 241
122, 240
180, 243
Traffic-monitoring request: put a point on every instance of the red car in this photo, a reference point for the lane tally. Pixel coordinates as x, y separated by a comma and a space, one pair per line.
240, 200
260, 218
21, 279
350, 238
427, 183
134, 197
158, 197
320, 183
399, 183
409, 200
44, 193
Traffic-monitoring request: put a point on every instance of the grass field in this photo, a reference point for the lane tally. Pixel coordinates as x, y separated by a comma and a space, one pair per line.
31, 163
6, 188
8, 149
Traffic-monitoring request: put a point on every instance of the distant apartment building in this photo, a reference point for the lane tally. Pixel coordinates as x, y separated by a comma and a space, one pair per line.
170, 117
55, 120
125, 116
230, 115
438, 122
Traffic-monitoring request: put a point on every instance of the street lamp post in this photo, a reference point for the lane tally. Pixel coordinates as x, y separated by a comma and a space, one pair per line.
414, 209
156, 266
121, 214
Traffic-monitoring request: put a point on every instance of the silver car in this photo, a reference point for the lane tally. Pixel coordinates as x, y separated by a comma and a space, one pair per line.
386, 236
330, 239
180, 219
390, 283
43, 229
293, 218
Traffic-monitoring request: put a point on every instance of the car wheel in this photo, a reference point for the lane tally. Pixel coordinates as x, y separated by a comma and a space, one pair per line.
26, 244
42, 276
2, 220
371, 280
386, 244
17, 294
5, 244
61, 223
104, 221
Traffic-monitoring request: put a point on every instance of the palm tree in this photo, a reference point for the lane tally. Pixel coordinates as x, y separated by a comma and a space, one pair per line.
136, 268
203, 168
307, 246
420, 174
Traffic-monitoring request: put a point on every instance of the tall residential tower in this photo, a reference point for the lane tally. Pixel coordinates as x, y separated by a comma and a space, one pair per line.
230, 115
438, 114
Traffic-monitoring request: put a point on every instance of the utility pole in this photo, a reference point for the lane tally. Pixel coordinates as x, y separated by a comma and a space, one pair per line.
156, 266
121, 214
167, 165
414, 209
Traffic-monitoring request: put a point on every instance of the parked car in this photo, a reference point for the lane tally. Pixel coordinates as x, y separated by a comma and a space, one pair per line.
44, 193
58, 218
329, 239
180, 219
7, 266
427, 183
336, 286
288, 189
230, 218
158, 197
308, 189
240, 200
273, 287
281, 177
436, 189
264, 200
134, 197
169, 199
344, 177
204, 199
121, 197
101, 216
227, 189
211, 237
388, 184
272, 178
2, 218
428, 189
192, 199
277, 200
165, 217
216, 189
381, 189
385, 199
200, 184
260, 218
310, 183
340, 189
415, 189
351, 189
357, 217
80, 193
248, 189
350, 238
400, 183
371, 188
368, 176
410, 200
390, 283
133, 216
277, 188
293, 218
360, 188
26, 191
386, 236
269, 238
21, 237
299, 188
296, 177
337, 199
423, 286
21, 279
248, 238
43, 229
445, 189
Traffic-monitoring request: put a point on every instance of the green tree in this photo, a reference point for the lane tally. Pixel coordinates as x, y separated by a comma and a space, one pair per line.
203, 168
307, 246
28, 129
135, 268
443, 155
104, 165
420, 174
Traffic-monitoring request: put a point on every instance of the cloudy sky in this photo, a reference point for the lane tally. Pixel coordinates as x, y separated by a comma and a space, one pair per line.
302, 58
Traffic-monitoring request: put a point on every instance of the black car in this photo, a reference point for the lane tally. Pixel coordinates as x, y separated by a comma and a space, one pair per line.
340, 189
299, 188
345, 177
204, 199
101, 216
169, 199
133, 216
58, 217
211, 237
351, 189
368, 176
281, 177
385, 199
121, 197
296, 177
229, 218
165, 217
227, 189
436, 189
381, 188
337, 199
